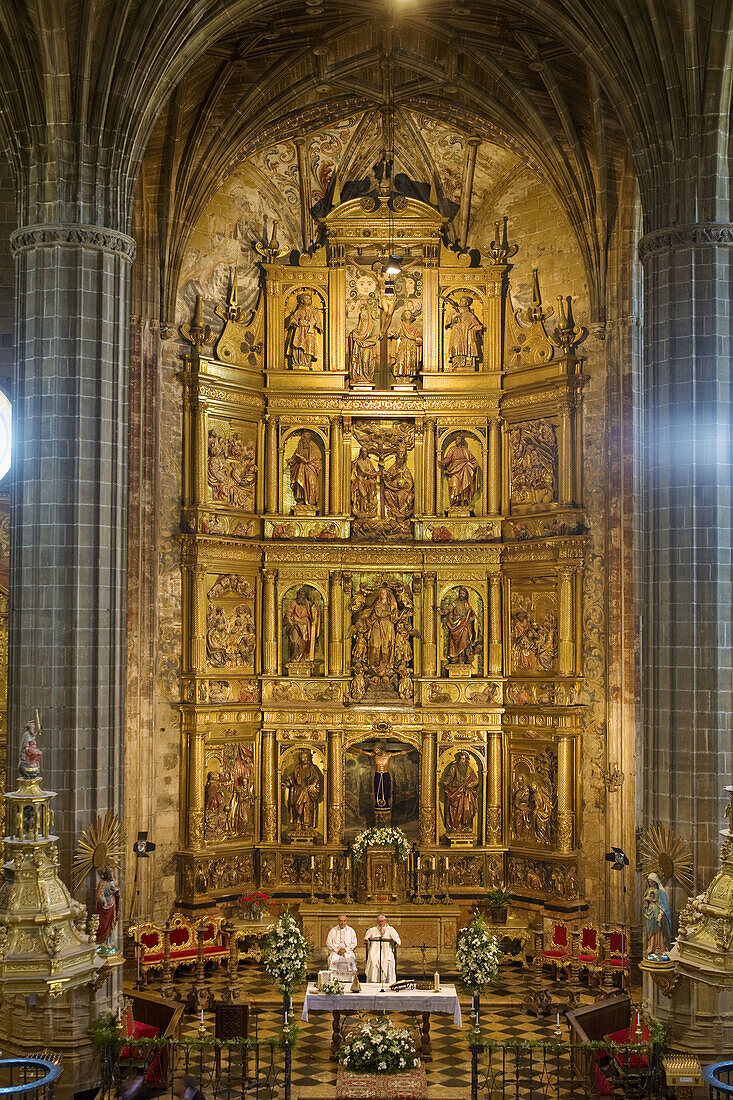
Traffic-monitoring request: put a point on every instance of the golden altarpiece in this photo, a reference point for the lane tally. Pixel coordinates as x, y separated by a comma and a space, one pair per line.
382, 564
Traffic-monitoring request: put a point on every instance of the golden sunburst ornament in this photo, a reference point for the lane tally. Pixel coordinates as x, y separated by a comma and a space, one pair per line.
100, 846
667, 855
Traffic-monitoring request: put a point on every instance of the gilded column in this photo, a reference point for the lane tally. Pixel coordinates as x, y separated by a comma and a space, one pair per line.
261, 463
493, 808
335, 787
494, 471
201, 454
565, 784
565, 457
269, 787
492, 335
428, 618
337, 318
495, 646
336, 625
431, 331
196, 789
427, 787
198, 618
429, 467
337, 448
271, 464
567, 648
269, 623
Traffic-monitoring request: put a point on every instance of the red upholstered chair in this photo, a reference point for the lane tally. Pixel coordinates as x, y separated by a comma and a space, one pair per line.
140, 1055
588, 955
558, 952
616, 960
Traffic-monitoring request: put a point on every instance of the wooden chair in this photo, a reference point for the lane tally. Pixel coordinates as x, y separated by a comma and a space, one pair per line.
615, 955
231, 1021
586, 953
558, 953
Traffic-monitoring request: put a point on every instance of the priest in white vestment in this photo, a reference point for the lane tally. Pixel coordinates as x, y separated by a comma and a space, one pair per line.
341, 944
388, 935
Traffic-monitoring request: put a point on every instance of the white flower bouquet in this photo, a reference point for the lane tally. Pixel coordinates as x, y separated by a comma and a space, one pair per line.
477, 955
332, 987
285, 957
381, 837
379, 1047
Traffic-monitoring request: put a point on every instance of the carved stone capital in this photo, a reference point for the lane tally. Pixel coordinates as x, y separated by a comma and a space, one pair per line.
693, 235
49, 235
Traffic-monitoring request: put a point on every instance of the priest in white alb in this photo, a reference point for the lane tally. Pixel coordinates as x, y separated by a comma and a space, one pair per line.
341, 944
388, 936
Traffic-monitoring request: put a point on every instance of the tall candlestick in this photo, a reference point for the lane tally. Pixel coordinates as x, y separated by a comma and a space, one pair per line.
330, 863
433, 862
418, 863
313, 862
445, 863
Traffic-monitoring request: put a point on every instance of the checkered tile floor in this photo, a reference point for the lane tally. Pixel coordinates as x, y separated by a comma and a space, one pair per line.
449, 1069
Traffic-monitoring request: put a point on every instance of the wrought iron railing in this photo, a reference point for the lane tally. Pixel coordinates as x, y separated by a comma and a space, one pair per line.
30, 1078
718, 1079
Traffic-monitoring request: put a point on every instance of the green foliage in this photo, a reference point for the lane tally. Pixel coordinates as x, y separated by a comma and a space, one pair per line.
498, 899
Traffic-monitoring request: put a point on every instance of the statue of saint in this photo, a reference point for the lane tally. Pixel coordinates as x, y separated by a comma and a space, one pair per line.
303, 326
657, 919
382, 777
408, 349
29, 764
303, 789
108, 910
363, 486
543, 801
465, 334
398, 487
381, 617
305, 470
462, 472
302, 626
460, 622
241, 801
461, 794
363, 348
521, 808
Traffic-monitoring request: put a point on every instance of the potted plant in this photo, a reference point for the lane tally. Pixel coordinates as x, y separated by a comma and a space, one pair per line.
497, 902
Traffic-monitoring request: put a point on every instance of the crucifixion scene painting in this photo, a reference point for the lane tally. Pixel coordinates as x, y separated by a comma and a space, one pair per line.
381, 786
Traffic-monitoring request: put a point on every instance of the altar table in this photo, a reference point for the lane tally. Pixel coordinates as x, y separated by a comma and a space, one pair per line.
423, 1001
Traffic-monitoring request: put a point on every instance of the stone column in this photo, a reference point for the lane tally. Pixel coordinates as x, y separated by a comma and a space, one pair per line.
566, 655
196, 788
335, 788
493, 788
336, 475
269, 622
428, 621
336, 625
427, 787
69, 511
429, 468
198, 618
494, 471
686, 516
271, 472
565, 799
269, 787
496, 661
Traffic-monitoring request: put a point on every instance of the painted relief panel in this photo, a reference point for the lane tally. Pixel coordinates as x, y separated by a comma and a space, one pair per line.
302, 631
305, 324
381, 632
231, 464
229, 794
534, 630
533, 464
460, 795
463, 330
230, 624
384, 330
303, 788
381, 783
303, 472
461, 462
383, 478
533, 799
462, 618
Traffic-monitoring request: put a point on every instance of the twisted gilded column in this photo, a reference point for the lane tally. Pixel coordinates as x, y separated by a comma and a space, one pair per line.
335, 788
427, 787
271, 464
336, 474
566, 665
565, 800
494, 463
196, 769
493, 793
269, 787
495, 647
428, 618
198, 618
336, 624
269, 623
429, 467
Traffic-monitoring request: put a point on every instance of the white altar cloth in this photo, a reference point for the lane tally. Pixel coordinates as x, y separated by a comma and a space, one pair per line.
371, 1000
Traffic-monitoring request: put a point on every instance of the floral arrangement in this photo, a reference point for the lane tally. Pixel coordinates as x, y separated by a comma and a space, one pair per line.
254, 904
381, 837
333, 986
379, 1047
477, 955
285, 955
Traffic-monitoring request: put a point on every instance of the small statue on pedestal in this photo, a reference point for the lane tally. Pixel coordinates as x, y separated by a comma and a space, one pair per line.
108, 910
29, 764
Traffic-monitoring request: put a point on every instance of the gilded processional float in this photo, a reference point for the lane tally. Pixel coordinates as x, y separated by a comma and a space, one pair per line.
382, 564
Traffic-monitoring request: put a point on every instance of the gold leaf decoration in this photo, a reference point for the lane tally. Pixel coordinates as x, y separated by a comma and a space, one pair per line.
100, 846
667, 855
